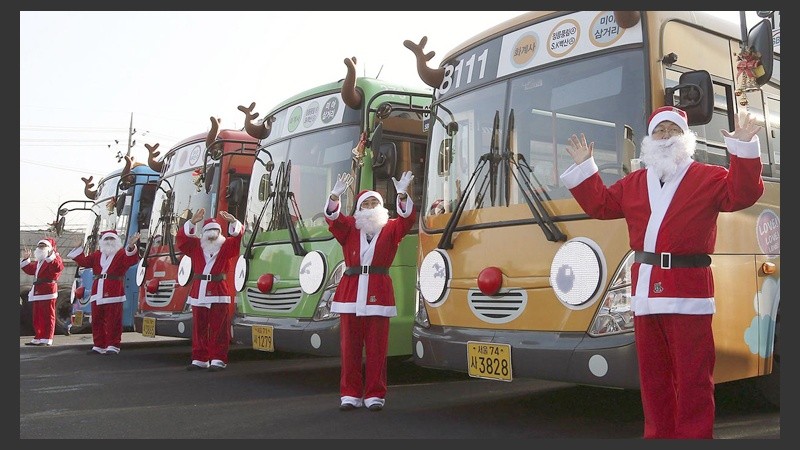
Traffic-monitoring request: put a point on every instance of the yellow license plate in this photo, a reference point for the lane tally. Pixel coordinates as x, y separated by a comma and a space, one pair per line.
77, 319
149, 327
262, 338
490, 361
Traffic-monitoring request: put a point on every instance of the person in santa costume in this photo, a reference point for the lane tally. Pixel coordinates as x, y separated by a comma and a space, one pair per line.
109, 264
43, 295
671, 207
364, 298
210, 296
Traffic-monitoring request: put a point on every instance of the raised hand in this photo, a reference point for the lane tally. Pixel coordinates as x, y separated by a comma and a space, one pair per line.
198, 215
401, 185
745, 127
344, 180
230, 218
25, 253
579, 149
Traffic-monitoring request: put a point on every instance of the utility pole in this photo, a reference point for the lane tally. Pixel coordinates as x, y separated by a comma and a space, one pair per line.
131, 130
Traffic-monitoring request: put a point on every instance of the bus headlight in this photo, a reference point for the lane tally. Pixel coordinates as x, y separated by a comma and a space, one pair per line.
614, 315
421, 316
323, 311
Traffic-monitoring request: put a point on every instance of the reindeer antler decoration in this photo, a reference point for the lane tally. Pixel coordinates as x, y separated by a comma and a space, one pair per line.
212, 145
127, 179
87, 190
151, 159
260, 130
350, 95
431, 77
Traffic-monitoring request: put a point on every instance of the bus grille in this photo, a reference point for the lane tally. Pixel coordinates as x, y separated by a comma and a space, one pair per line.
163, 296
503, 307
280, 300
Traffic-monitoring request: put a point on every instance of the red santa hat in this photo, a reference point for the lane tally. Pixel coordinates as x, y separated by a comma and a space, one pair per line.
49, 243
211, 224
109, 234
671, 113
365, 194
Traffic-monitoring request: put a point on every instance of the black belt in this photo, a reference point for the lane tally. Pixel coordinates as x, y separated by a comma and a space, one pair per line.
104, 276
668, 260
202, 276
358, 270
41, 281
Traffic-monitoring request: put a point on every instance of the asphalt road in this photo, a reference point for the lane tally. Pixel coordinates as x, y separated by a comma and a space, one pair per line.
145, 392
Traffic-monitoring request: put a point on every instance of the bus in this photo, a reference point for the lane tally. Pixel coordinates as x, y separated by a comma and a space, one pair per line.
122, 201
207, 170
290, 264
515, 280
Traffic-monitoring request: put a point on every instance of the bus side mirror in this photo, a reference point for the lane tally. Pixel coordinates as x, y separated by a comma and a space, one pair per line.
59, 226
384, 160
759, 38
235, 190
120, 203
695, 96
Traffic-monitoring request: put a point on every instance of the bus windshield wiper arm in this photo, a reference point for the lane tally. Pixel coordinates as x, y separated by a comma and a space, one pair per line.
446, 241
285, 196
533, 199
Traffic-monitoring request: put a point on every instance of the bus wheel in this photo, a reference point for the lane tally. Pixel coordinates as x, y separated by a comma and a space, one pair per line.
769, 386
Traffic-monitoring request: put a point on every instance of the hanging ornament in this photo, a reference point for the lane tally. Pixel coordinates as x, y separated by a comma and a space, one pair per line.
197, 178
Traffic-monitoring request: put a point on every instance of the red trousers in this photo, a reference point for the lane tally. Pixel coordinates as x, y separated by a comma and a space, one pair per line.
676, 373
107, 324
357, 334
211, 332
44, 318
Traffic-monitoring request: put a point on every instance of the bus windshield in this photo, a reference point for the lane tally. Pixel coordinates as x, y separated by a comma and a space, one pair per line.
180, 196
522, 123
316, 160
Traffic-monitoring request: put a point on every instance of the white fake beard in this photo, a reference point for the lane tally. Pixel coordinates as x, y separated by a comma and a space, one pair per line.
110, 247
40, 253
210, 243
372, 220
663, 156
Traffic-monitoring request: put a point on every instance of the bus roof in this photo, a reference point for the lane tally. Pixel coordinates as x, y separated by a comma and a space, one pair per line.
364, 83
700, 19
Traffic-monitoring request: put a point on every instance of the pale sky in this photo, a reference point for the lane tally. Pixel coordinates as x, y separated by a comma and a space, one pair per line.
83, 73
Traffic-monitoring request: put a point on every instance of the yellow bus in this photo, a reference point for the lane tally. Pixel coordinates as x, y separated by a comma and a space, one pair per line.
514, 279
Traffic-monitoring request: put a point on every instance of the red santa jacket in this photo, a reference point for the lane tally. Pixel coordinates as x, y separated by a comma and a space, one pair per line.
368, 294
47, 273
109, 273
204, 292
679, 217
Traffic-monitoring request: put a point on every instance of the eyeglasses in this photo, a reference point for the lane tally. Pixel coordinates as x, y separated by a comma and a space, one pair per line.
671, 131
370, 203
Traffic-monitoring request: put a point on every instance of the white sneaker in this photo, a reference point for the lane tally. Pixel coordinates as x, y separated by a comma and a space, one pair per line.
111, 350
217, 364
33, 342
47, 342
97, 349
349, 403
374, 403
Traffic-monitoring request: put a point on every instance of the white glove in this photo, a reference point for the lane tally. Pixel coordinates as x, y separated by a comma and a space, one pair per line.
401, 186
345, 179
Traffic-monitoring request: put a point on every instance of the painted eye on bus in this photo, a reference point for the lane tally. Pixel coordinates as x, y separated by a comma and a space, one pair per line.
576, 272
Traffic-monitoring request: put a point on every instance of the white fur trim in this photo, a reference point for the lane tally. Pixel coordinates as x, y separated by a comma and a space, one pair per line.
672, 116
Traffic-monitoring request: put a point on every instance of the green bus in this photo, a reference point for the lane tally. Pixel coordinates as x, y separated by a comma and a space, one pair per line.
290, 264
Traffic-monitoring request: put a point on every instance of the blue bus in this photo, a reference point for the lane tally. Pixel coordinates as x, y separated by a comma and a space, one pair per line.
122, 201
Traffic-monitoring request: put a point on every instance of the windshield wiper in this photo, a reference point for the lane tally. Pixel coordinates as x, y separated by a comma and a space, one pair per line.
492, 157
532, 196
284, 195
